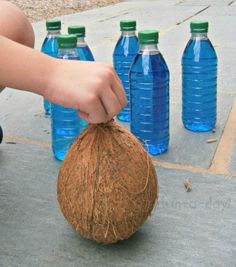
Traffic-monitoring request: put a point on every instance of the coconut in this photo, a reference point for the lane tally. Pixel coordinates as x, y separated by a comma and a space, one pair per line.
107, 184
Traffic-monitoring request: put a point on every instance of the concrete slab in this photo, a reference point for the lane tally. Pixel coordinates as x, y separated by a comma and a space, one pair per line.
187, 229
23, 115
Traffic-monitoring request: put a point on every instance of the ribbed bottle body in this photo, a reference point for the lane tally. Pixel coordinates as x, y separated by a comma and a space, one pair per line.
84, 51
149, 87
199, 84
124, 53
65, 122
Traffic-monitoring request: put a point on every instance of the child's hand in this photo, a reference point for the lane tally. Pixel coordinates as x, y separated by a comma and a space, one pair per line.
92, 87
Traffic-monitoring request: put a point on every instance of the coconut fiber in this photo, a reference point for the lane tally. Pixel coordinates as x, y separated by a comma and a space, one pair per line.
107, 185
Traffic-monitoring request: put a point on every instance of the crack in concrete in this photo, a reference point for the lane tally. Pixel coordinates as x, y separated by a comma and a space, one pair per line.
195, 14
170, 28
230, 3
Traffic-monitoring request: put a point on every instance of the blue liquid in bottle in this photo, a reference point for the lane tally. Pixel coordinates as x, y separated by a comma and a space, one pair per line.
149, 87
199, 82
123, 56
65, 122
83, 51
84, 54
50, 48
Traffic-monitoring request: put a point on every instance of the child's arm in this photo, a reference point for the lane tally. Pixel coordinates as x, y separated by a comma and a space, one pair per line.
91, 87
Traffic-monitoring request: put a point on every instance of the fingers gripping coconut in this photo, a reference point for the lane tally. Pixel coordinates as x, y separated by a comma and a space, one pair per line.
107, 184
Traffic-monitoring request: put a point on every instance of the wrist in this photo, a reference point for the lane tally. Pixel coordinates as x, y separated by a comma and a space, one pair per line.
43, 80
50, 79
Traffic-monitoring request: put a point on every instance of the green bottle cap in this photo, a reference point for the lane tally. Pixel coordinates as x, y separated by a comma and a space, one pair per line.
148, 37
78, 30
199, 26
67, 41
53, 24
127, 25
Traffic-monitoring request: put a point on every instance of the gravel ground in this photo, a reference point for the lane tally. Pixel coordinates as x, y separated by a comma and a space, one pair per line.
44, 9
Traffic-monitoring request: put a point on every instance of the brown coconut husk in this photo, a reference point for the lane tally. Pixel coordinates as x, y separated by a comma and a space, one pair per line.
107, 185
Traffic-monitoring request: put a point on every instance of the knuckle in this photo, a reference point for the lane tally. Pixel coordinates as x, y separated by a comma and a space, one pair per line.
108, 73
106, 76
91, 99
98, 86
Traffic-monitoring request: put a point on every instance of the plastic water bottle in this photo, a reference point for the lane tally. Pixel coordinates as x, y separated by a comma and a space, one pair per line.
124, 53
83, 49
65, 121
50, 48
199, 80
149, 89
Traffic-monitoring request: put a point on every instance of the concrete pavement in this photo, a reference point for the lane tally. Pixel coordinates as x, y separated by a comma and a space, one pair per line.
187, 229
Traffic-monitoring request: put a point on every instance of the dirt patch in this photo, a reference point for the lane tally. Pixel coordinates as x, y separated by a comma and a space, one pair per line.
44, 9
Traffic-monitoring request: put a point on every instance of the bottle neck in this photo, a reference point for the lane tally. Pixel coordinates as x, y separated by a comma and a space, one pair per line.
199, 35
128, 33
149, 48
81, 41
67, 53
54, 32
